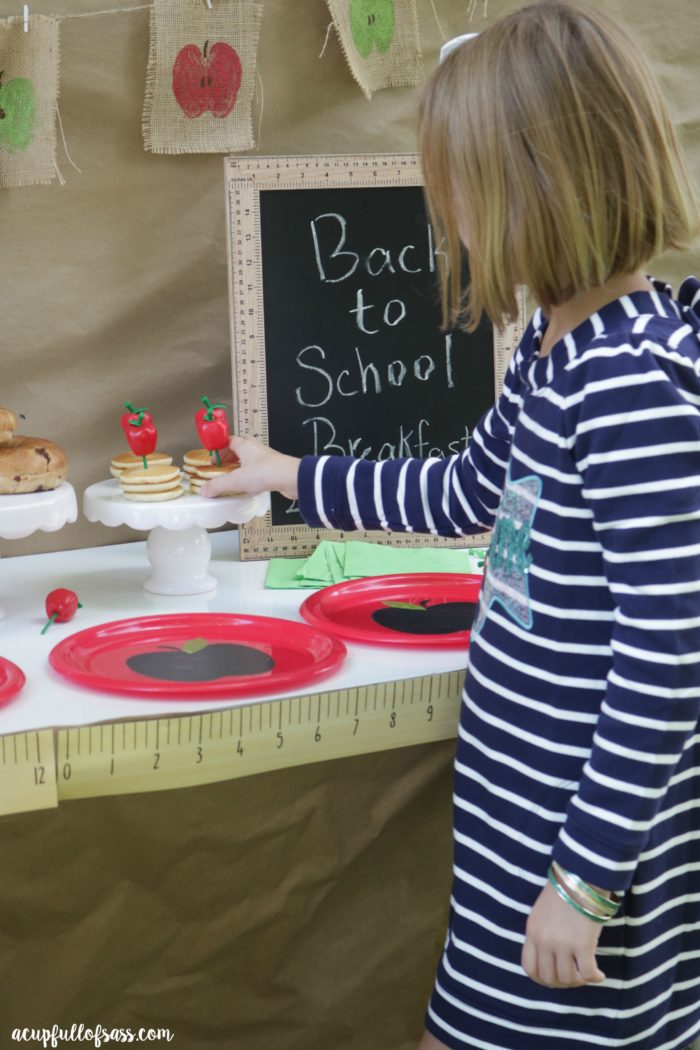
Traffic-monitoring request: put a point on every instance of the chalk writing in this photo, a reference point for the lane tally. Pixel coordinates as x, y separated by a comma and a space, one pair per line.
337, 231
365, 377
406, 443
356, 362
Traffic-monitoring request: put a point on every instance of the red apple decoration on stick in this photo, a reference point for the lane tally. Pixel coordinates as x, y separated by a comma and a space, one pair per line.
131, 413
141, 434
212, 427
61, 605
207, 81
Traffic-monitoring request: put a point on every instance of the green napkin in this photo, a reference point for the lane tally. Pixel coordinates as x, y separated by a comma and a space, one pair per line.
334, 562
325, 565
375, 559
282, 573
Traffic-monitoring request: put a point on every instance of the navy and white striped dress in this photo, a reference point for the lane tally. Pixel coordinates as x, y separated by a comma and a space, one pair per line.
579, 735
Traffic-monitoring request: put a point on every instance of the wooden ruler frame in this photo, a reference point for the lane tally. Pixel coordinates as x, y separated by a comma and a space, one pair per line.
246, 177
39, 769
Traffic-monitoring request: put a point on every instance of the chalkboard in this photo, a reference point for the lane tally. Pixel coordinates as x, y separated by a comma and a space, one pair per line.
336, 340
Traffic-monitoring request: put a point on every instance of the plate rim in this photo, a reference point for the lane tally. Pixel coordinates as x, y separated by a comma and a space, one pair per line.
456, 640
217, 689
14, 684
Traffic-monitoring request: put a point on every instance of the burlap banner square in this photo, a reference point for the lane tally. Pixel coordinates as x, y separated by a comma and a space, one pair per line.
28, 100
201, 76
380, 40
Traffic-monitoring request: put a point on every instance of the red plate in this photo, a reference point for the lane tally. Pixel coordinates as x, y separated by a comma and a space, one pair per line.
197, 656
11, 680
389, 610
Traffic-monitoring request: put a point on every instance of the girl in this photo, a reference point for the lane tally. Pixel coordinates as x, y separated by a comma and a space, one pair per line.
548, 154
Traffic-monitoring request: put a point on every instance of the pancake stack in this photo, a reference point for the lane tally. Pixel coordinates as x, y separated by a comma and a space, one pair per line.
155, 483
199, 468
198, 457
128, 461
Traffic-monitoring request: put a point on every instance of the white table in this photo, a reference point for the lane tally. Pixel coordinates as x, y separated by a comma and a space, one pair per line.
108, 583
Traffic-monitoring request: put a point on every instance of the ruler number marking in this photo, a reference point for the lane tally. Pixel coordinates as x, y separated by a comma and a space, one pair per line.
333, 720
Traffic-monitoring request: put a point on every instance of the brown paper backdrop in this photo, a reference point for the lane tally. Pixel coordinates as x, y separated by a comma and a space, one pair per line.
299, 910
114, 286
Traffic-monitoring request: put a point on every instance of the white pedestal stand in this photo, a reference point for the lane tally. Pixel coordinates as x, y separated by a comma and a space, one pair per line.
178, 546
23, 514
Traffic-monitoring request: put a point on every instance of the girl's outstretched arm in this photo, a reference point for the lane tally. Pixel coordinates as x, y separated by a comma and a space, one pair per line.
445, 497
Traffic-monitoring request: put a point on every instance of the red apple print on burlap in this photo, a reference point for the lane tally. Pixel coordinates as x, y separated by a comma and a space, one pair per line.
207, 81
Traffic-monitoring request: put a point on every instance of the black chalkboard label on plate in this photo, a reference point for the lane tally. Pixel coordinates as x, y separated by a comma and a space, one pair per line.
337, 341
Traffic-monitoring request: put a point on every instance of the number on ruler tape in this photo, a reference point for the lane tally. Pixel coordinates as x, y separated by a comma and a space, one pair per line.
27, 772
289, 539
190, 750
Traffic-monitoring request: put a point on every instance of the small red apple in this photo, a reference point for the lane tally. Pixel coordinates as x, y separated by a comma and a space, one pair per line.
208, 81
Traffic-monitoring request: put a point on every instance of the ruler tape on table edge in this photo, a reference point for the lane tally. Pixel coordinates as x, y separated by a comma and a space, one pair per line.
39, 768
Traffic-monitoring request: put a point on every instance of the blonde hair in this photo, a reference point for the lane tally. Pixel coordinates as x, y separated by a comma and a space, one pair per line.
547, 139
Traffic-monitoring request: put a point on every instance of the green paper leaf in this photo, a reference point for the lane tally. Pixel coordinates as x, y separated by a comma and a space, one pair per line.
405, 605
194, 645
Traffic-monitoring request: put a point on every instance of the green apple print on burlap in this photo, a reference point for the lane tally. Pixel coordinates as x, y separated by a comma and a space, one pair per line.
372, 25
17, 112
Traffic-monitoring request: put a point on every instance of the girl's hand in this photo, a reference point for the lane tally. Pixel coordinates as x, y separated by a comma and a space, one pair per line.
560, 944
261, 470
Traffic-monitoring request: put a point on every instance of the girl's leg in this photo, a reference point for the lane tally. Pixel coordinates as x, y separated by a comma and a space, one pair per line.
429, 1042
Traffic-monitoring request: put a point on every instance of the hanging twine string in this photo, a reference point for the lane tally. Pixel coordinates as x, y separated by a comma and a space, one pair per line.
442, 31
96, 14
65, 145
262, 105
473, 4
325, 42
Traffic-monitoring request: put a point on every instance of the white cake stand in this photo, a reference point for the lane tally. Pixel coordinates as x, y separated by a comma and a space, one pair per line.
178, 545
23, 514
